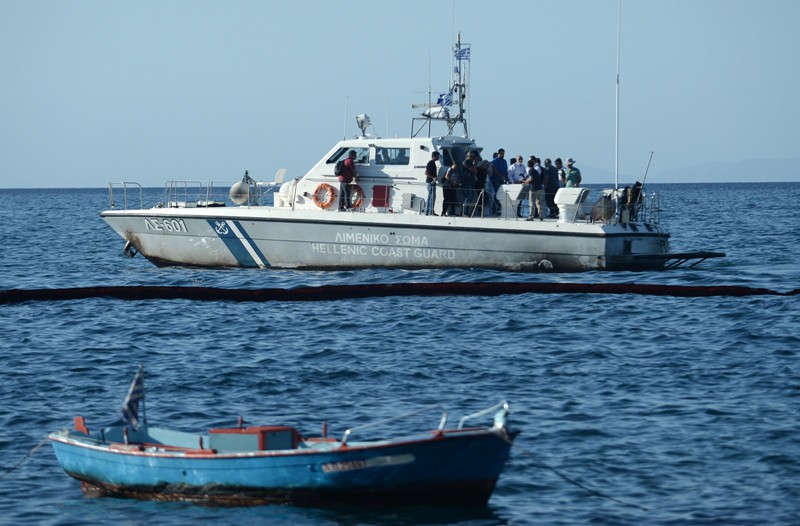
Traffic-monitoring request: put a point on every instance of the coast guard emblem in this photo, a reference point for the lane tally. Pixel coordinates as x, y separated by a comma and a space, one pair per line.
221, 227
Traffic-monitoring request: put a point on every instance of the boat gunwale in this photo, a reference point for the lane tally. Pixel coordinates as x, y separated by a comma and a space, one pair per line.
523, 228
65, 437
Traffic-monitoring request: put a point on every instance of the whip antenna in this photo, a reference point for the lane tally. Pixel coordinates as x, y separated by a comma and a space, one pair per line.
616, 121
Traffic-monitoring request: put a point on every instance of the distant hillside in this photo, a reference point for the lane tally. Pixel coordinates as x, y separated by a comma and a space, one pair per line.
751, 170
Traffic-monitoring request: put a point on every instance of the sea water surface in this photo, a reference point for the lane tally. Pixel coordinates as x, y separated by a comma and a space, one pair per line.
688, 409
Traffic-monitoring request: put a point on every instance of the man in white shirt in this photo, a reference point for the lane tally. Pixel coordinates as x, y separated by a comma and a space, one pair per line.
516, 172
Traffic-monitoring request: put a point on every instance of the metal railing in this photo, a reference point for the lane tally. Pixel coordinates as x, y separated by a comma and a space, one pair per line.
124, 186
501, 406
442, 422
189, 193
645, 210
173, 190
650, 210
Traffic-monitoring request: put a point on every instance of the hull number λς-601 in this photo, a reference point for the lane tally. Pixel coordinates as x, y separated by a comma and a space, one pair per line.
165, 225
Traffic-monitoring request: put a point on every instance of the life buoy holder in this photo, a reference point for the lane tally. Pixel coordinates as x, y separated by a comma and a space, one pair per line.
324, 195
357, 193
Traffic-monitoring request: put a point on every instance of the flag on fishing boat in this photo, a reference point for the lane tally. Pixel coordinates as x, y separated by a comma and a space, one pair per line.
445, 99
462, 53
130, 408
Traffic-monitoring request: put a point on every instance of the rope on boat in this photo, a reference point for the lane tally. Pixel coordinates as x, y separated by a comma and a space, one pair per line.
335, 292
26, 457
596, 493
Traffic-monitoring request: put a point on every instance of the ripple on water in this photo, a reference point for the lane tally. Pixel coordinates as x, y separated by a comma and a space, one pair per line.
687, 406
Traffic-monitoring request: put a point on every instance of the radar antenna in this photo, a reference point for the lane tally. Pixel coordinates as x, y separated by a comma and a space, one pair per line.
363, 123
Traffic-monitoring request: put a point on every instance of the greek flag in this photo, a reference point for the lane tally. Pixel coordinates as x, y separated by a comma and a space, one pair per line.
130, 408
445, 99
462, 53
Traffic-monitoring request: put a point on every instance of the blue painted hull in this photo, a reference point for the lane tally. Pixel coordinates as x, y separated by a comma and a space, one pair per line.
450, 468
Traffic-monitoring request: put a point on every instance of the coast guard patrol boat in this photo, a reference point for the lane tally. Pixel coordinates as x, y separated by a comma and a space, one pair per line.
297, 223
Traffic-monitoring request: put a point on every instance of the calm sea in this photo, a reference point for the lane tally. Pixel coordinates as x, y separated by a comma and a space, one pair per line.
688, 407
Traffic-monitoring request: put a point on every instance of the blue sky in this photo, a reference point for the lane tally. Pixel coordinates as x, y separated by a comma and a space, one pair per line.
95, 91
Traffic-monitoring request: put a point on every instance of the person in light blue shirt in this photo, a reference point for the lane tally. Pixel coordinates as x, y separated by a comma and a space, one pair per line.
517, 171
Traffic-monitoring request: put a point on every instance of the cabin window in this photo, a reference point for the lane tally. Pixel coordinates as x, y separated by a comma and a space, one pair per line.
455, 154
396, 156
447, 159
362, 155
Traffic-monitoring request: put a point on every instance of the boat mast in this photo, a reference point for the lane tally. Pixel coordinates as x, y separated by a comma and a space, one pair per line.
457, 89
461, 55
430, 103
134, 400
344, 121
616, 120
144, 407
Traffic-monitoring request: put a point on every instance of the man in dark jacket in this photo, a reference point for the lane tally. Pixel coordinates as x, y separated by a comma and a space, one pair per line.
431, 178
551, 187
349, 174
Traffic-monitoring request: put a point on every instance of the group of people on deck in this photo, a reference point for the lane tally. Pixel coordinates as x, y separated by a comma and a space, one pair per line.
470, 187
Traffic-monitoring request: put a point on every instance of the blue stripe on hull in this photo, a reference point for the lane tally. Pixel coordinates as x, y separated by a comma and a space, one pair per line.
237, 246
252, 243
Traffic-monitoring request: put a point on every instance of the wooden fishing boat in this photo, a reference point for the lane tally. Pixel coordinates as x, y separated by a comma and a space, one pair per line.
249, 465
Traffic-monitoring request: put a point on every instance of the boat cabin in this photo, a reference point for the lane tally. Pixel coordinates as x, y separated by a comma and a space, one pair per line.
391, 174
253, 438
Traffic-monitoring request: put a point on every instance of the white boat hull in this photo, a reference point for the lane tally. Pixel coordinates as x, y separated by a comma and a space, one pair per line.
304, 222
308, 239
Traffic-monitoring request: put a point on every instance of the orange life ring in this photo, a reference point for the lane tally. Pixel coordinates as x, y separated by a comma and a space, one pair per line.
328, 192
357, 192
